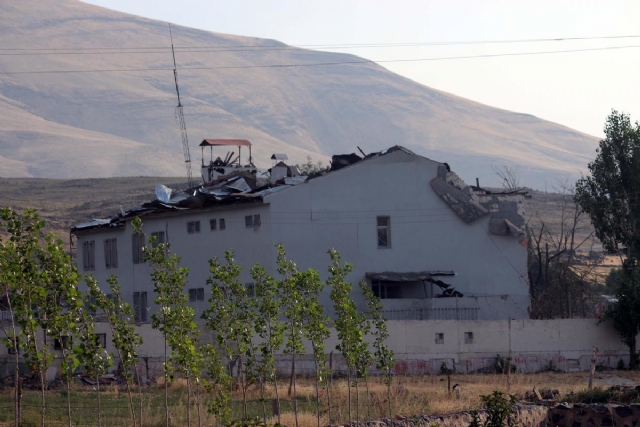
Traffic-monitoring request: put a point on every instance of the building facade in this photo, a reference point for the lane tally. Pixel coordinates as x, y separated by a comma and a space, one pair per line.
432, 247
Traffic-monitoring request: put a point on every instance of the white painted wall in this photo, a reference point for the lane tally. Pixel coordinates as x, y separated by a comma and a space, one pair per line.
339, 211
533, 344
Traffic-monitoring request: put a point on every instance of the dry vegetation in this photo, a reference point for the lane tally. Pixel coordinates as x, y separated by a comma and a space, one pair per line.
411, 395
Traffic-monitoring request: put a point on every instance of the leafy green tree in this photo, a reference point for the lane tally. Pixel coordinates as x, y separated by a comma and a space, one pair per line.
498, 408
95, 359
315, 327
217, 382
232, 306
21, 275
269, 328
294, 311
119, 315
625, 314
62, 310
347, 320
611, 194
383, 354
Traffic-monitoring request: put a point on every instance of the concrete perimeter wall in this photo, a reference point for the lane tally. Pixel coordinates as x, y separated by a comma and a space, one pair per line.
466, 346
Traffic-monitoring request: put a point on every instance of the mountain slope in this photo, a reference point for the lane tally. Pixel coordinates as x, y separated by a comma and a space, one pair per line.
122, 123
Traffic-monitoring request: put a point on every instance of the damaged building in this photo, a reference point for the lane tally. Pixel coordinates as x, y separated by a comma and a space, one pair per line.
429, 245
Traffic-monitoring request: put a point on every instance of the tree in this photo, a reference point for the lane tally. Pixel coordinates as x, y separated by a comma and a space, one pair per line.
508, 176
268, 328
310, 168
610, 195
119, 316
625, 314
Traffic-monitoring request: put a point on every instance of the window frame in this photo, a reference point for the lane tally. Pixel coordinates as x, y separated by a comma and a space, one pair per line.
111, 252
89, 255
222, 224
383, 228
213, 224
193, 227
140, 306
257, 222
137, 248
248, 221
196, 294
160, 238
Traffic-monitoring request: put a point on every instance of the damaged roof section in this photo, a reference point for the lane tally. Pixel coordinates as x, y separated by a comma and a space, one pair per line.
505, 208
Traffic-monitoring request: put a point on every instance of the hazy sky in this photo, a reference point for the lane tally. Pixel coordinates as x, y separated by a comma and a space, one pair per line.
575, 89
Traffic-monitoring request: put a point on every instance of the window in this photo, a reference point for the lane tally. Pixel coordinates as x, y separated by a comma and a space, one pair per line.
13, 346
140, 306
251, 289
111, 253
137, 247
468, 337
116, 303
193, 227
67, 343
384, 231
196, 294
386, 290
159, 238
223, 224
439, 338
213, 223
248, 221
256, 220
101, 340
89, 255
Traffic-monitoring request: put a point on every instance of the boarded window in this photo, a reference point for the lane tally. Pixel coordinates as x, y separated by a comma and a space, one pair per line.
384, 231
89, 255
140, 306
223, 224
111, 253
248, 221
213, 224
137, 247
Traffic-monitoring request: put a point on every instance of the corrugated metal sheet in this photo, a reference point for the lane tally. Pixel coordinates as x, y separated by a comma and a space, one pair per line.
219, 142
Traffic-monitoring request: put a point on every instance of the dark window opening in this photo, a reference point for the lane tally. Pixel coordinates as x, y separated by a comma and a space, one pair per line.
256, 221
193, 227
137, 248
111, 253
439, 338
159, 238
384, 231
223, 224
386, 290
89, 255
248, 221
213, 223
196, 294
67, 343
101, 340
468, 337
140, 306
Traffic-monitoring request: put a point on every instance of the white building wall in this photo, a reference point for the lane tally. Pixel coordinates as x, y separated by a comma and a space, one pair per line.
534, 345
339, 211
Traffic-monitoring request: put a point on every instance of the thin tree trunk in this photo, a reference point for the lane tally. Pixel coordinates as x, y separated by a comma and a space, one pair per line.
317, 388
275, 385
139, 393
133, 415
42, 410
389, 395
166, 385
366, 383
295, 396
632, 354
349, 392
264, 404
355, 371
243, 382
98, 397
69, 401
16, 350
188, 401
196, 396
329, 384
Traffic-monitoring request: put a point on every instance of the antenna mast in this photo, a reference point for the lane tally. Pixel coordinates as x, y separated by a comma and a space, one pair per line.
180, 115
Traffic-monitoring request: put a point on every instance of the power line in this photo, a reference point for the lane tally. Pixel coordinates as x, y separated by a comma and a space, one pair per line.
336, 46
319, 64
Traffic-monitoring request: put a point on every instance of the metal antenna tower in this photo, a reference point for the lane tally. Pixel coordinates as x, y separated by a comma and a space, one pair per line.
180, 115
